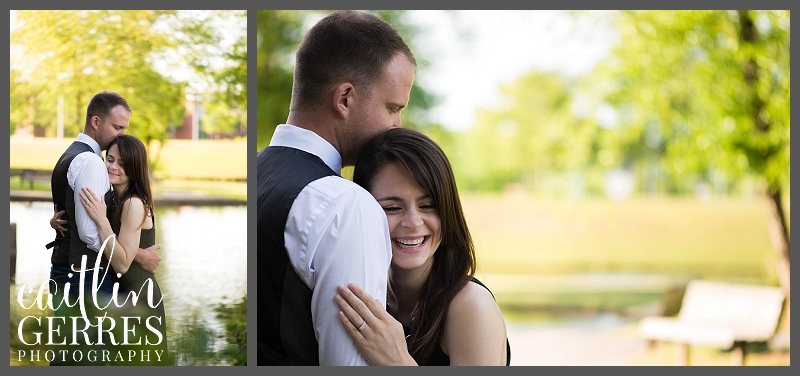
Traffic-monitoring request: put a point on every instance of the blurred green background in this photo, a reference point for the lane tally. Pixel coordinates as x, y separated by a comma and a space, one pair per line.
608, 189
670, 155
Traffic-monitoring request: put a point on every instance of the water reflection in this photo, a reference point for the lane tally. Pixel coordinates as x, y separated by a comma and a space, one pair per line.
202, 275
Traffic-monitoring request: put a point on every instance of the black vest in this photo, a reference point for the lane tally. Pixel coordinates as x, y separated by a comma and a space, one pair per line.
69, 249
285, 328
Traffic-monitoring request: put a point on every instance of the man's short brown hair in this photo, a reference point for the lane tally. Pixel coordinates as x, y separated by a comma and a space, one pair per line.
102, 103
345, 46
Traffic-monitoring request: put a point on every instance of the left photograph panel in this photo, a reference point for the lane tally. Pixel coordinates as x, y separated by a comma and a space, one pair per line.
128, 187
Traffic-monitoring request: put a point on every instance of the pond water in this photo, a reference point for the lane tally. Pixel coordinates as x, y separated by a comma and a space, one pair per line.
601, 339
203, 268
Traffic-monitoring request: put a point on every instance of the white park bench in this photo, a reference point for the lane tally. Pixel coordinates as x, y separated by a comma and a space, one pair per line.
718, 314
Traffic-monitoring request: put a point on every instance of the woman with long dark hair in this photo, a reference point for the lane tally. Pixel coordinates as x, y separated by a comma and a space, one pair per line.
438, 312
127, 223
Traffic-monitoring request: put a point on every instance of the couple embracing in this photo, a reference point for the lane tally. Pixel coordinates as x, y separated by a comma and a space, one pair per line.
378, 270
106, 300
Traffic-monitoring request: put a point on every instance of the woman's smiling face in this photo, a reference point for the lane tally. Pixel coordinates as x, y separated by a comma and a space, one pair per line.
116, 172
414, 223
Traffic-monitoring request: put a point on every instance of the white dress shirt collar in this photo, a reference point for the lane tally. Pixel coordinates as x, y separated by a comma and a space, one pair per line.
83, 137
295, 137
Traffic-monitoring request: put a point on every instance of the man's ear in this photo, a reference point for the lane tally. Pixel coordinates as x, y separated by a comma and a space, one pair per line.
95, 122
343, 98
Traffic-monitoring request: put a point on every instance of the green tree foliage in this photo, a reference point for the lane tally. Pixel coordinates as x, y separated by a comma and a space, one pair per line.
677, 79
534, 134
235, 318
71, 55
710, 90
220, 118
222, 69
279, 34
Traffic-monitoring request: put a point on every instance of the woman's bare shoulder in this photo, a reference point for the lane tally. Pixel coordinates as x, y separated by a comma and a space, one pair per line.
474, 330
132, 202
471, 297
133, 208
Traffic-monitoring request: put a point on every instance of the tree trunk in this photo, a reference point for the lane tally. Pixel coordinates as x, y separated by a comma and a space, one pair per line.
779, 235
779, 232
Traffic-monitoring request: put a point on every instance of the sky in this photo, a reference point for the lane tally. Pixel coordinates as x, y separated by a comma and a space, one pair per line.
471, 57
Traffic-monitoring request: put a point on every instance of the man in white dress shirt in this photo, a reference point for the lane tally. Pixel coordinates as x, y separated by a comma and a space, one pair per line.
107, 116
317, 230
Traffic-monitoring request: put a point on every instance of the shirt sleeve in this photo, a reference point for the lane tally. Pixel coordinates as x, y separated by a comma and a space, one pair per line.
347, 240
87, 170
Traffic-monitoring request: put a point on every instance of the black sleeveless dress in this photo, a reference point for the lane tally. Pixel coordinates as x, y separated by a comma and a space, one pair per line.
151, 327
439, 358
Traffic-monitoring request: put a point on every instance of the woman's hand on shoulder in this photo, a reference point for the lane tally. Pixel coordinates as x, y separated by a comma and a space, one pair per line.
474, 329
95, 206
380, 339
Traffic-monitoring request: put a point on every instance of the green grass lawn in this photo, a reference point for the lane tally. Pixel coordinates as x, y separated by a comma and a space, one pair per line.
217, 168
177, 159
545, 253
228, 189
205, 159
16, 185
520, 234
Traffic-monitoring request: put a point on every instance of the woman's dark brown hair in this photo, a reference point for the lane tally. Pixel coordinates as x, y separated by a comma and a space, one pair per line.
454, 260
133, 158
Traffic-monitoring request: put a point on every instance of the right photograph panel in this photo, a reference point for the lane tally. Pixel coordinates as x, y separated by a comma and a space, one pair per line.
522, 187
